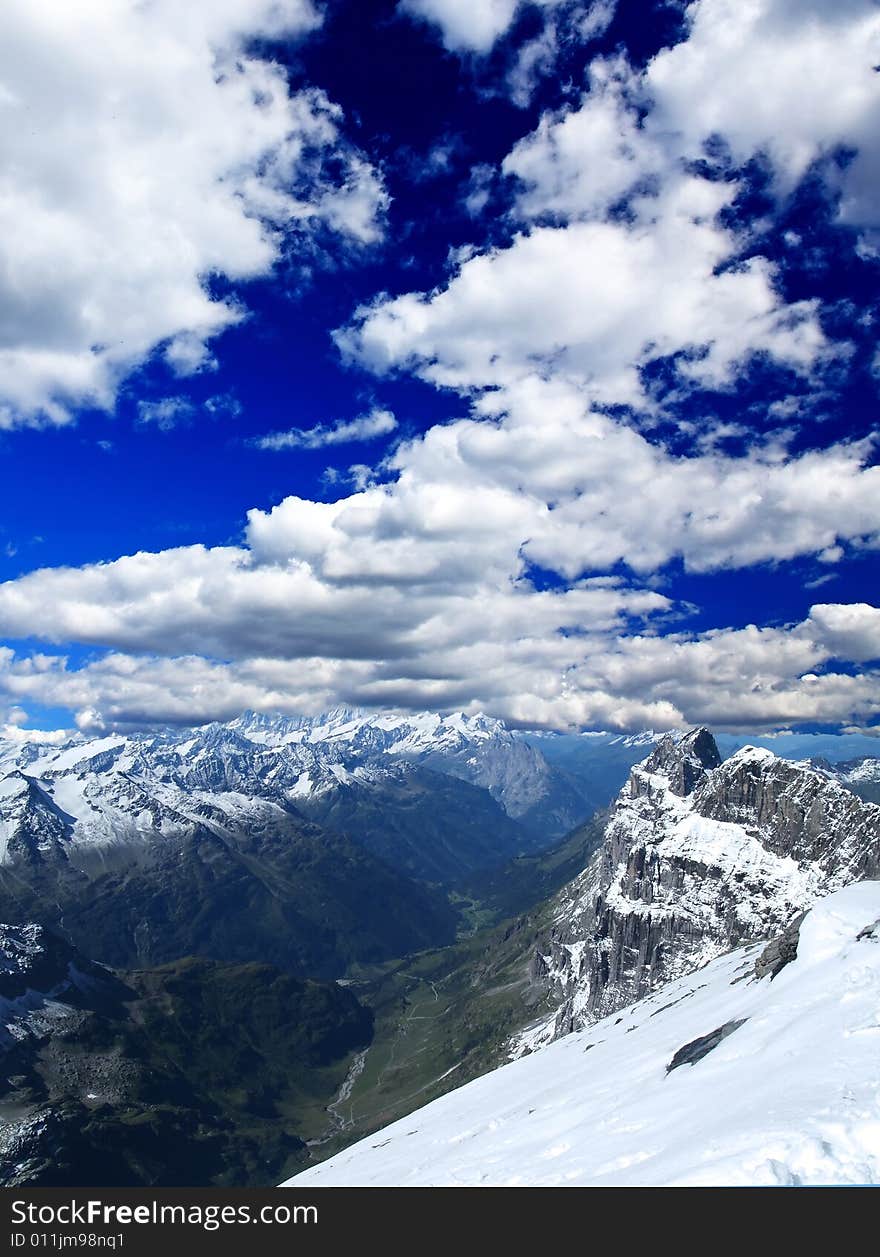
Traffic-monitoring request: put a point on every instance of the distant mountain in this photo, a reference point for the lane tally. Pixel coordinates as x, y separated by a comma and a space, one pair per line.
597, 763
742, 1073
310, 843
478, 749
425, 823
193, 1074
146, 849
698, 857
861, 776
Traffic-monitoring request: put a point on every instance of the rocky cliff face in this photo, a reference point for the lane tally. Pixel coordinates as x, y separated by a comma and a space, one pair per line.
699, 856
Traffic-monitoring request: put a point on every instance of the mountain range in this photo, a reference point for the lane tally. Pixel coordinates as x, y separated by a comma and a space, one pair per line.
482, 893
311, 844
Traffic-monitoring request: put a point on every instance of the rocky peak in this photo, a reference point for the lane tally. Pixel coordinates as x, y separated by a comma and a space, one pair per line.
684, 761
698, 857
796, 811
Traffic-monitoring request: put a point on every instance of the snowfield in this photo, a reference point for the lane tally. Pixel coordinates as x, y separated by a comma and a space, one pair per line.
789, 1096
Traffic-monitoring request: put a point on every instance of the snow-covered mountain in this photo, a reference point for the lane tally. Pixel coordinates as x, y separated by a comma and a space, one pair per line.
148, 845
861, 775
96, 800
722, 1077
145, 848
119, 791
698, 857
478, 749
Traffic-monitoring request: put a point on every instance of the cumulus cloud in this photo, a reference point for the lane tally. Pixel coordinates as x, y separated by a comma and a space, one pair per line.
364, 428
851, 632
143, 147
793, 79
13, 732
734, 679
600, 296
595, 301
465, 25
408, 594
578, 162
574, 491
484, 571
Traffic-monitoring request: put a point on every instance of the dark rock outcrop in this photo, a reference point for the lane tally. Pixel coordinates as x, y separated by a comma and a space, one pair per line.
195, 1073
706, 1043
780, 951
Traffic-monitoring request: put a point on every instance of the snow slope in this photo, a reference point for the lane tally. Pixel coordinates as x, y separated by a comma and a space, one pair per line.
790, 1096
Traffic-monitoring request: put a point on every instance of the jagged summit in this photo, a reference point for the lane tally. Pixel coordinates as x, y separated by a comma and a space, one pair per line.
684, 760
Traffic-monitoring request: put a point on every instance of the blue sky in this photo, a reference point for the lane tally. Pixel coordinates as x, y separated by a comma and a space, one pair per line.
501, 356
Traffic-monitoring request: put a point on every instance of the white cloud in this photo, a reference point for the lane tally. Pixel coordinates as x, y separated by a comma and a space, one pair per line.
364, 428
465, 25
142, 148
744, 678
595, 301
794, 79
534, 60
52, 737
598, 298
851, 632
418, 592
166, 413
475, 26
579, 162
564, 23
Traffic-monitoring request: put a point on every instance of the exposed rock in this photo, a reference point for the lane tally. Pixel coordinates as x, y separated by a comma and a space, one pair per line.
780, 951
706, 1043
684, 763
698, 857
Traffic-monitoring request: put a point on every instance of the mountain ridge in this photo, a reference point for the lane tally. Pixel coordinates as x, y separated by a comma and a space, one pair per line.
699, 855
